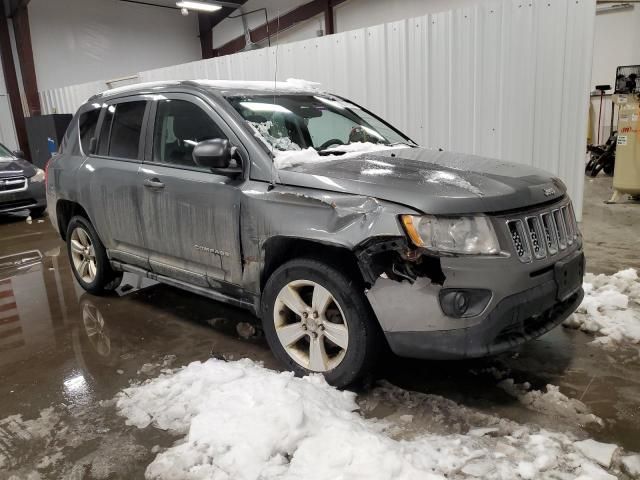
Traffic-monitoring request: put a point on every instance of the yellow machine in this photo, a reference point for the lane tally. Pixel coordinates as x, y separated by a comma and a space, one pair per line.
626, 177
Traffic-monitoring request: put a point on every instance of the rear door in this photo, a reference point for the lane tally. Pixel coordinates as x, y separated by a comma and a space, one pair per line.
190, 215
110, 178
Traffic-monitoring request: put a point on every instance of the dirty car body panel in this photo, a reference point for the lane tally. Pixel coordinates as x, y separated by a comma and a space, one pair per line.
211, 234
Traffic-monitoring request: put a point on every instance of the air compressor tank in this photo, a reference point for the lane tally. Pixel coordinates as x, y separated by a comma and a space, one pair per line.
626, 176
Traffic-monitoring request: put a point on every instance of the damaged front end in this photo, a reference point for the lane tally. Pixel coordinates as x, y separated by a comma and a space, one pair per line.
403, 284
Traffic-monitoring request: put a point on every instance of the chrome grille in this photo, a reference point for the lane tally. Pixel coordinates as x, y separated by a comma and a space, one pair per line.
545, 233
12, 184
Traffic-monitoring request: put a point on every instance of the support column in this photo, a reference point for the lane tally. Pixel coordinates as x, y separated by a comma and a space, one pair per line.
25, 56
205, 27
329, 28
11, 81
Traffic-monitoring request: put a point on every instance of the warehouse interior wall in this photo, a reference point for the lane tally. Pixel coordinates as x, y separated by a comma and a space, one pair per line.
350, 15
77, 41
616, 40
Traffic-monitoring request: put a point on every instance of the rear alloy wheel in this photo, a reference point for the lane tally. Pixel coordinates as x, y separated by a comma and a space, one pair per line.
83, 255
88, 257
317, 320
314, 334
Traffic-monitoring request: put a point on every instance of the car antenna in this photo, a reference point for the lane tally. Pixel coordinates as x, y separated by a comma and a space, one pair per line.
275, 86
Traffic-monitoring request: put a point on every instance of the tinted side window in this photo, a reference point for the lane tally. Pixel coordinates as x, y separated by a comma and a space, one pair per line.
125, 130
105, 130
87, 124
179, 126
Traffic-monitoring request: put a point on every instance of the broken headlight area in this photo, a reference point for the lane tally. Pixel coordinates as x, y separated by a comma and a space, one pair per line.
396, 259
465, 235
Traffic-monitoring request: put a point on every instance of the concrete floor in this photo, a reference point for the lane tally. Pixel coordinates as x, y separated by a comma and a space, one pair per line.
64, 354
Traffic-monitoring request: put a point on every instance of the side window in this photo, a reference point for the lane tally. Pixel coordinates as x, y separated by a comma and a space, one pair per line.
126, 129
105, 131
179, 126
87, 125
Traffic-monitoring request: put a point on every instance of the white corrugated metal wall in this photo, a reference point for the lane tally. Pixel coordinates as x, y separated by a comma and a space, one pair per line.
506, 79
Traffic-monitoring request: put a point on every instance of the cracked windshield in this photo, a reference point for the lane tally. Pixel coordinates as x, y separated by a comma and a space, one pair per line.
325, 124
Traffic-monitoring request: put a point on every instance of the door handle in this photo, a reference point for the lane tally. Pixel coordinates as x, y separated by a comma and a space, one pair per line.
154, 183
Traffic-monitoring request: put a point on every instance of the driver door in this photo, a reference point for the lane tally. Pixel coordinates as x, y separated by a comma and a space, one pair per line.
190, 215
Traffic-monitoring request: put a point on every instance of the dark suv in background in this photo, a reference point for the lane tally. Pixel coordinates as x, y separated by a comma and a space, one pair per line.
318, 216
21, 184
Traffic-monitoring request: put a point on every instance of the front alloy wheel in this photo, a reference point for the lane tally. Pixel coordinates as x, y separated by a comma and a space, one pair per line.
316, 319
83, 255
311, 326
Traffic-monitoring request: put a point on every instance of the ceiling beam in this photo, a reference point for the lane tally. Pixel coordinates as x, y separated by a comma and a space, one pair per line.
288, 20
206, 22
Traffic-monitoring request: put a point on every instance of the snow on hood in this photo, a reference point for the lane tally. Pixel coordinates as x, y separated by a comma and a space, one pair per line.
291, 158
611, 308
242, 421
290, 85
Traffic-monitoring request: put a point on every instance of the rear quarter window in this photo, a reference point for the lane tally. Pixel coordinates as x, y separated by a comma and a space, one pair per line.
87, 126
121, 130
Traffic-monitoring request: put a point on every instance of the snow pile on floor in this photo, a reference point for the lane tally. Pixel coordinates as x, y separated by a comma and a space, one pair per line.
611, 308
242, 421
291, 158
551, 402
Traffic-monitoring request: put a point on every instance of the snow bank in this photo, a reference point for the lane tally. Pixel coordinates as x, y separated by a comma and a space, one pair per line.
611, 308
291, 158
551, 402
598, 451
244, 422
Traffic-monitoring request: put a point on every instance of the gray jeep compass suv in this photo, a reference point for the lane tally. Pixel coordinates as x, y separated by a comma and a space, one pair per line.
315, 214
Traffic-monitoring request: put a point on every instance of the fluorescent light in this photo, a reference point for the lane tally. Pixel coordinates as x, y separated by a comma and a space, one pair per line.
202, 6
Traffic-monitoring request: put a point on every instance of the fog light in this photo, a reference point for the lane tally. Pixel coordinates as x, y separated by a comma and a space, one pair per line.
463, 302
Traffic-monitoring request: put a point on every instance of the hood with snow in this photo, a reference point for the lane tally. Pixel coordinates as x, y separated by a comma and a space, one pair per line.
430, 181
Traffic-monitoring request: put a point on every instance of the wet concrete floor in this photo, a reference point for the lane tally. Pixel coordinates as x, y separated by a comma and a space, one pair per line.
64, 354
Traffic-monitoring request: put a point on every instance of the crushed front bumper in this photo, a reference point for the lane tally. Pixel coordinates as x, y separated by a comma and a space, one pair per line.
514, 321
521, 302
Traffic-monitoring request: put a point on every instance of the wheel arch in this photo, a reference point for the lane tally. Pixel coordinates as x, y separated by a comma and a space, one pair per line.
280, 249
65, 211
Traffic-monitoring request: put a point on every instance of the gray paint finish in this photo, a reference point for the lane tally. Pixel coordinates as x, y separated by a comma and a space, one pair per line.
208, 232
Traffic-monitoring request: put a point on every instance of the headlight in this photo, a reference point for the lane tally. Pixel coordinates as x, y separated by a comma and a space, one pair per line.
38, 177
465, 235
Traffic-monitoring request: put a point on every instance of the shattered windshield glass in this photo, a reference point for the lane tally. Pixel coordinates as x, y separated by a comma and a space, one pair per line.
321, 122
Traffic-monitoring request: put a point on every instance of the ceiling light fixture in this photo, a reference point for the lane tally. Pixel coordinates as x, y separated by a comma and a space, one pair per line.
200, 6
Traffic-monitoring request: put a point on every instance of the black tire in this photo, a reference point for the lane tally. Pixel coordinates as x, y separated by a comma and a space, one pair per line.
364, 333
37, 212
106, 279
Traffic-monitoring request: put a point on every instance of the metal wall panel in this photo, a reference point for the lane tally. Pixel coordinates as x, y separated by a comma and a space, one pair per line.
505, 78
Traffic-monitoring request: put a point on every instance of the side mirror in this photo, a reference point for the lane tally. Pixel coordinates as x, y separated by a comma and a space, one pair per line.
19, 154
216, 154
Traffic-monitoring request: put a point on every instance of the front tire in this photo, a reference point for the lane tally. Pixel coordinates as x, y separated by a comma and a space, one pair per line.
317, 320
88, 257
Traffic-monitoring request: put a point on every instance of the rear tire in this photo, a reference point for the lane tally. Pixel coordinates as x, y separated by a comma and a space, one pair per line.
88, 258
316, 319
